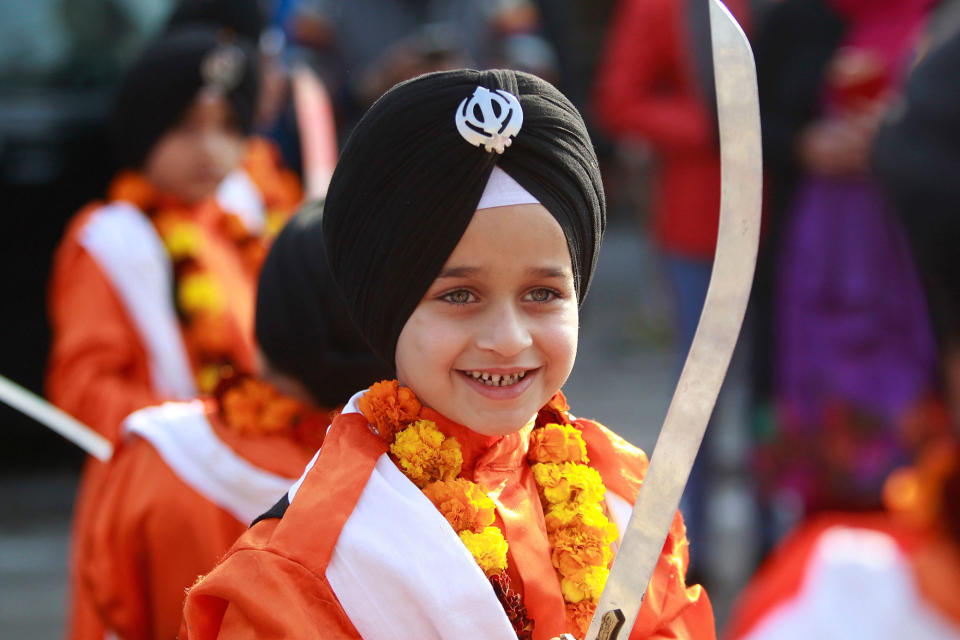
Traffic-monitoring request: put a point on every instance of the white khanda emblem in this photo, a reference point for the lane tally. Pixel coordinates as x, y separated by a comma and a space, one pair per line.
489, 119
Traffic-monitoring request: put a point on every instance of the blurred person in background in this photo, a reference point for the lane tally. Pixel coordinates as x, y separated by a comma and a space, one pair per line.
364, 47
884, 575
848, 369
190, 477
655, 84
152, 290
917, 157
263, 189
893, 573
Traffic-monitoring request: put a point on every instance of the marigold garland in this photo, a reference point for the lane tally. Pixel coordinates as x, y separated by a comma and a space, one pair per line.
571, 494
425, 455
199, 297
254, 407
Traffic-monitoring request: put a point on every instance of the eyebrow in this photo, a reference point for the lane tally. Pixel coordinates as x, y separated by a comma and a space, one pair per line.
539, 272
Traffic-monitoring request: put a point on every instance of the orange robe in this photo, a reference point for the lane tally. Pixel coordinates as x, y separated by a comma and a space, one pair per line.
159, 522
100, 368
276, 581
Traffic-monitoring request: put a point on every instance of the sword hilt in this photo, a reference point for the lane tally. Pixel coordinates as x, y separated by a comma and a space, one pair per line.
610, 625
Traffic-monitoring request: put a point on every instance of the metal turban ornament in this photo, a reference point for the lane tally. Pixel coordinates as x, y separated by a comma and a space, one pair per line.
223, 68
489, 119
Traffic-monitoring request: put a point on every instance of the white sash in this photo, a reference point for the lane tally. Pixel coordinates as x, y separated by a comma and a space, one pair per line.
123, 242
181, 434
239, 195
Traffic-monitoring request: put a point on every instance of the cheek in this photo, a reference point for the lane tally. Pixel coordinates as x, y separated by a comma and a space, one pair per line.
427, 347
230, 150
558, 340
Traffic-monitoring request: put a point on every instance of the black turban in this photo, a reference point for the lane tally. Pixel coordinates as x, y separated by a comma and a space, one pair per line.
244, 17
302, 324
159, 88
407, 184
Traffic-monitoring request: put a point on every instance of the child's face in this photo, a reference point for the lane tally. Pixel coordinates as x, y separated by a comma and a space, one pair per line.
193, 157
503, 308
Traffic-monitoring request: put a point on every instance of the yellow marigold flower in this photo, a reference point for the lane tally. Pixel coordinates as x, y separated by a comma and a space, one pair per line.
183, 240
200, 292
584, 515
463, 503
275, 221
568, 482
425, 455
488, 548
208, 377
557, 443
586, 584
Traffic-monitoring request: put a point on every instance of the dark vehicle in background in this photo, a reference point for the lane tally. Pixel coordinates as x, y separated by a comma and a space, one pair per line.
59, 63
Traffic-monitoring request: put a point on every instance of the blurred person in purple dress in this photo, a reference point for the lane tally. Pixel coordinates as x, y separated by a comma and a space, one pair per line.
853, 360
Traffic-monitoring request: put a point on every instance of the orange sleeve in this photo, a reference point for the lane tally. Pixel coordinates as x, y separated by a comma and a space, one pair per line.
255, 593
98, 369
151, 537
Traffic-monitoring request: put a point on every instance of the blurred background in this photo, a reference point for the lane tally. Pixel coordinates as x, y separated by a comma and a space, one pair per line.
839, 378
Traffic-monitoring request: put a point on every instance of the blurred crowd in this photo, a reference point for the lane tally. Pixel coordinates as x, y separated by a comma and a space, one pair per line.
224, 117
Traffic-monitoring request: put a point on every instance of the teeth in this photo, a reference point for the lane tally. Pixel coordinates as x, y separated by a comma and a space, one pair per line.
497, 380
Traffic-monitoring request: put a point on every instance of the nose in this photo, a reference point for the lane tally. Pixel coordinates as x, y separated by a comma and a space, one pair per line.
504, 331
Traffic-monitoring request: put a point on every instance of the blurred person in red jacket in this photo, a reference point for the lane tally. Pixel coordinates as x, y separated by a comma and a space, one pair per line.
655, 85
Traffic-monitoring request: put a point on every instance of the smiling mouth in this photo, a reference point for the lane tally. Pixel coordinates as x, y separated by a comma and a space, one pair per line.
497, 379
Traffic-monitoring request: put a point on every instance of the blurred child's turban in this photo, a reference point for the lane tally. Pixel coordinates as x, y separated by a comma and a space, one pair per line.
410, 177
302, 324
161, 85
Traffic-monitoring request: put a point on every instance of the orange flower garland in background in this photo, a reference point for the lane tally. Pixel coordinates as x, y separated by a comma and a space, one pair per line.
571, 494
199, 297
253, 407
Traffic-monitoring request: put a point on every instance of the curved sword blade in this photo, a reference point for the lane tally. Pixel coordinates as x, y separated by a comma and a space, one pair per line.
738, 113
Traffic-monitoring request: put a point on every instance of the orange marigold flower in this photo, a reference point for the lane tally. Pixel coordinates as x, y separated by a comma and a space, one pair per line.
425, 455
241, 405
559, 402
463, 503
576, 548
579, 616
488, 548
557, 443
389, 407
555, 411
279, 414
210, 334
254, 407
586, 584
132, 187
585, 515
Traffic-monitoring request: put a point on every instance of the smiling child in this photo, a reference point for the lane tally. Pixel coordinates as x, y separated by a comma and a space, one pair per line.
462, 500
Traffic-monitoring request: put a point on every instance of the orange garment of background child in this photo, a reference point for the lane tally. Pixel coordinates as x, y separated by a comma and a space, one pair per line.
184, 486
